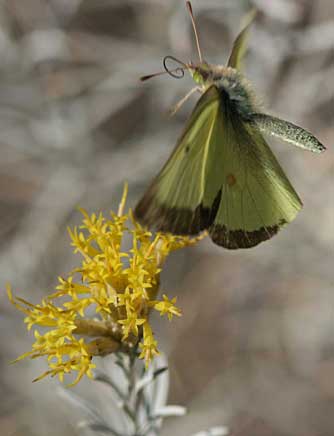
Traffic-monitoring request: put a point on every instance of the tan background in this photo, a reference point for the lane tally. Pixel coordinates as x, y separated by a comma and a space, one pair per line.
255, 347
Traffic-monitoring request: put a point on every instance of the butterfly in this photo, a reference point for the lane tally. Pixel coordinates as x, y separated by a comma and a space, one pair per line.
222, 176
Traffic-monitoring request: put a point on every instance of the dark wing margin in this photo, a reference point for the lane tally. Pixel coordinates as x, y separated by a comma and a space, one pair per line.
235, 239
176, 220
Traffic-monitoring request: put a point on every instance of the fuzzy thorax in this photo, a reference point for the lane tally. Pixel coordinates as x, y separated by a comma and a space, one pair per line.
230, 81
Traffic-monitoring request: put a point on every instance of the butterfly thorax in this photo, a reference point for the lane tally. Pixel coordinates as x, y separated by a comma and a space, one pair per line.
231, 84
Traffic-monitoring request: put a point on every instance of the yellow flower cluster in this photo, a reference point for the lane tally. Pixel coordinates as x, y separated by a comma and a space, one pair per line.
108, 298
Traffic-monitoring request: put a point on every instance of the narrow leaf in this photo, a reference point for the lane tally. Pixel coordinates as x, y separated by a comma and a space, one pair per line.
149, 378
167, 411
104, 378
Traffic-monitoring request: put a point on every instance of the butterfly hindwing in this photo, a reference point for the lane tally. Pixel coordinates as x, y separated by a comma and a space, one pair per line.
175, 200
257, 199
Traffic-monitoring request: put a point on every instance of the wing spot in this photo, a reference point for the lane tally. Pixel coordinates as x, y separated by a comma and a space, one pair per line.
231, 179
187, 149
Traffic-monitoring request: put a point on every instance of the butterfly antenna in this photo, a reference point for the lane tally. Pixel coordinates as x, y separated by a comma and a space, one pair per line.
177, 72
150, 76
190, 10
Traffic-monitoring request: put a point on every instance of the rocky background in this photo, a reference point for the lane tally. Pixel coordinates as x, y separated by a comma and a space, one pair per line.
254, 349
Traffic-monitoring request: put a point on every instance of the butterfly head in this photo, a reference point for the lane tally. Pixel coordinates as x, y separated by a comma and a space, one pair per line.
205, 74
200, 73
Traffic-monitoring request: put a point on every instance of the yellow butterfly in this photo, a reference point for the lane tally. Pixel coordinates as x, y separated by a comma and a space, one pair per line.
222, 175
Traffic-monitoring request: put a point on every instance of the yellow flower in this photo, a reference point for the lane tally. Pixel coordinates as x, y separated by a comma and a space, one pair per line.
119, 288
149, 345
131, 323
167, 306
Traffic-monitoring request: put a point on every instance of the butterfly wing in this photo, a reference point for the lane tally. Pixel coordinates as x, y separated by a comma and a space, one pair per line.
240, 44
175, 200
257, 199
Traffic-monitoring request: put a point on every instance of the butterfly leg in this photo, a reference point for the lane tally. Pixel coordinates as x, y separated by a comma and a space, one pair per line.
175, 108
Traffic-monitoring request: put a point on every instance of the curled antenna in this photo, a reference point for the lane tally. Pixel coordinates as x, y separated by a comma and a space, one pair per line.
190, 10
177, 72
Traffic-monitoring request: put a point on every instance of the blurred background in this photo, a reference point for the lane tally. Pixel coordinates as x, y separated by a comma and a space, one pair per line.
254, 349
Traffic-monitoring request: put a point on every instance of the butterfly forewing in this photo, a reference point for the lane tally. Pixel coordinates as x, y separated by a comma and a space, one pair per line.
175, 200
